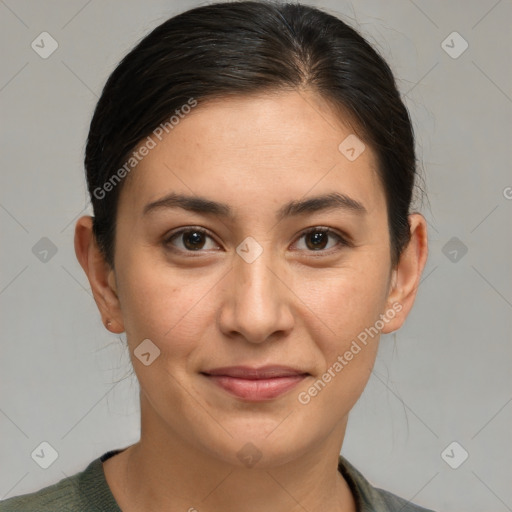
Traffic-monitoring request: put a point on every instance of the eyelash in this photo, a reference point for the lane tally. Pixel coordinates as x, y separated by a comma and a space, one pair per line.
342, 242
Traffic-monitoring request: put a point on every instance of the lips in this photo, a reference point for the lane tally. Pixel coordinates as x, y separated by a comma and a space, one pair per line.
256, 384
265, 372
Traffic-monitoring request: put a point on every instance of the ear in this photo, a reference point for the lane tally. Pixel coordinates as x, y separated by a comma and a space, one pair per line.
101, 276
405, 277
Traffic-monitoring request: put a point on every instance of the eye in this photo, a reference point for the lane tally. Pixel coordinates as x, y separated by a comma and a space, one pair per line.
189, 239
195, 239
317, 239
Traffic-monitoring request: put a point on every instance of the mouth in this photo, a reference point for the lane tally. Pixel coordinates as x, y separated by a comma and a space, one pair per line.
256, 384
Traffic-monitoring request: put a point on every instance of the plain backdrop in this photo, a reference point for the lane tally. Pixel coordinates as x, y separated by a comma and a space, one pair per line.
444, 377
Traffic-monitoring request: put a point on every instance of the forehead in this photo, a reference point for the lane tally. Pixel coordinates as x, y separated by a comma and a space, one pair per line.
287, 142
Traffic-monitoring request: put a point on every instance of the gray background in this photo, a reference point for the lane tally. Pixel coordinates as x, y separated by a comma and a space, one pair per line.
445, 376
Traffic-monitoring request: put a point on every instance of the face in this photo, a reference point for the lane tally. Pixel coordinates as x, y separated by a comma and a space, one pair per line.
254, 283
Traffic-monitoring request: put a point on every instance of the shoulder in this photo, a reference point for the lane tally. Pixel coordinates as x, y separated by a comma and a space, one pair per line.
86, 490
395, 503
373, 499
63, 496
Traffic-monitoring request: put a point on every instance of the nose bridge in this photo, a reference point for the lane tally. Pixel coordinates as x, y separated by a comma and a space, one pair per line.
258, 305
254, 280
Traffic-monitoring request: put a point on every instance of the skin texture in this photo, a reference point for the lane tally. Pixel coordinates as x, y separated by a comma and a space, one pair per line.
294, 305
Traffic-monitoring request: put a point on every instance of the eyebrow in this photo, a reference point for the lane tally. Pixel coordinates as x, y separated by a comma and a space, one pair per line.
202, 205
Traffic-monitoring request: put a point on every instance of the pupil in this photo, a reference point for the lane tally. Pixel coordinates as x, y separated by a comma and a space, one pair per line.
195, 238
318, 239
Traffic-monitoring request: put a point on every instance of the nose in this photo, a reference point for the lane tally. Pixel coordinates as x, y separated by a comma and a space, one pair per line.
256, 303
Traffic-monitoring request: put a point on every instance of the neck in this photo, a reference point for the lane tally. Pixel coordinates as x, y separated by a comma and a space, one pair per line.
165, 472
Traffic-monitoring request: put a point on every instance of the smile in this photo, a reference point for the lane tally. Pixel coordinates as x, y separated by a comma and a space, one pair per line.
257, 389
256, 384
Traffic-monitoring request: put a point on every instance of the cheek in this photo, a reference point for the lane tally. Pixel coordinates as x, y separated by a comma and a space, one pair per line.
167, 306
344, 302
345, 307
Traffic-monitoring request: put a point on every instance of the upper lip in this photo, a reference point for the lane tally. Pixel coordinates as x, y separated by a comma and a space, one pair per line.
264, 372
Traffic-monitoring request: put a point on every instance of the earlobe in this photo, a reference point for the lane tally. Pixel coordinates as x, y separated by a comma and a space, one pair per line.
101, 277
406, 276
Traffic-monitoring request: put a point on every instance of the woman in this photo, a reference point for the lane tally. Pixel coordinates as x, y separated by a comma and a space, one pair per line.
251, 167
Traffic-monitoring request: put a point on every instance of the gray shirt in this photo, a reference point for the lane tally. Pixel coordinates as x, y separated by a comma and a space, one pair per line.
88, 491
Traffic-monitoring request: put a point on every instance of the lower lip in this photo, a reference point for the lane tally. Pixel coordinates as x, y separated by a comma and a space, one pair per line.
257, 389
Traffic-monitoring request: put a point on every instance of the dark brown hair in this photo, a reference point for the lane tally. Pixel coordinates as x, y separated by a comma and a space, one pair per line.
244, 47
